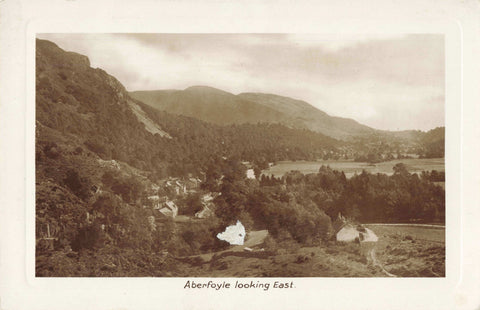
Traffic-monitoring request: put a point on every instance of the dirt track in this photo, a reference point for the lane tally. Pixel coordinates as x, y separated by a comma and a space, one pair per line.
409, 225
377, 263
409, 250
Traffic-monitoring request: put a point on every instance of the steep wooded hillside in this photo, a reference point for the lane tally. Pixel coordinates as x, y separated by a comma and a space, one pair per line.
82, 107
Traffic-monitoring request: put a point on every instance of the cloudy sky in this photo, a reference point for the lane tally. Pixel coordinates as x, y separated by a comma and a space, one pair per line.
392, 82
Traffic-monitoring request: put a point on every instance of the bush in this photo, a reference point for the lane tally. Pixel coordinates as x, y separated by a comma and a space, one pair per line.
302, 258
89, 237
79, 186
78, 151
129, 189
96, 148
191, 205
51, 150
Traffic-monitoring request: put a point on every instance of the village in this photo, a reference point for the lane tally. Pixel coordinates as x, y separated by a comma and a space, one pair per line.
162, 198
165, 201
167, 198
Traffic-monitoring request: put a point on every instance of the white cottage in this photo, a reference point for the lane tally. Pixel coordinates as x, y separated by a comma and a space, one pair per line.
350, 233
347, 232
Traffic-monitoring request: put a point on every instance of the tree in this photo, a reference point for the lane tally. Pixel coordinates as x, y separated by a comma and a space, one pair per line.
79, 186
257, 171
89, 237
400, 169
129, 189
108, 205
212, 178
191, 204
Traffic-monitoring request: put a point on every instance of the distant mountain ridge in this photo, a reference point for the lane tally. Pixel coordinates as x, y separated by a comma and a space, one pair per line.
311, 117
211, 105
221, 107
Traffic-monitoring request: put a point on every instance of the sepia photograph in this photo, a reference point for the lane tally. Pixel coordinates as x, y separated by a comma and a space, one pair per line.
236, 155
239, 155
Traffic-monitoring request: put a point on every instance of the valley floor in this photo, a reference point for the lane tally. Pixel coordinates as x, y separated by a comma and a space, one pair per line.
349, 167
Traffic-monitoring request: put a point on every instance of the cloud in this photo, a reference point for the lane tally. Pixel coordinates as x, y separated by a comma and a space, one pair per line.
335, 42
384, 81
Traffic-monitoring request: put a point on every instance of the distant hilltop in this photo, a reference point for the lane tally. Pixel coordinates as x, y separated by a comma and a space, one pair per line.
221, 107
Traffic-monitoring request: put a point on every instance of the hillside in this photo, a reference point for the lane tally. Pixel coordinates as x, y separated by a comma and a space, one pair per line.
362, 142
310, 117
72, 95
220, 107
211, 105
88, 108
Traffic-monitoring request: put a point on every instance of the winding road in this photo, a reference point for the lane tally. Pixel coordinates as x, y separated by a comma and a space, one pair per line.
377, 263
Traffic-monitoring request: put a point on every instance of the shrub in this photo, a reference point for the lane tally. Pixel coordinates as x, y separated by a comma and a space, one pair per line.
89, 237
96, 147
79, 186
51, 150
191, 205
78, 150
302, 258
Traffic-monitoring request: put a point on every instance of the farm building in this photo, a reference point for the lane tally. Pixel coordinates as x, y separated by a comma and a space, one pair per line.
156, 201
154, 187
339, 222
207, 206
347, 232
368, 236
154, 198
204, 213
175, 186
169, 209
350, 233
192, 183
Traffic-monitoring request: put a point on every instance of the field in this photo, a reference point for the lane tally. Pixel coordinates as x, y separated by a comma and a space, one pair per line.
411, 251
351, 167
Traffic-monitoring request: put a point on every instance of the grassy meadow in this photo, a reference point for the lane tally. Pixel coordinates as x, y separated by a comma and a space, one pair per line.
350, 167
411, 251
